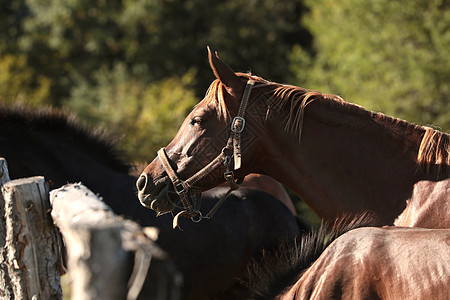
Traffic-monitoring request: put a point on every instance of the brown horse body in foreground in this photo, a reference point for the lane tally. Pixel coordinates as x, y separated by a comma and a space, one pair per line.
338, 157
364, 263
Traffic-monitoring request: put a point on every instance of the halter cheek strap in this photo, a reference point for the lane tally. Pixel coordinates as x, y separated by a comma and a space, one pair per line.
238, 125
184, 188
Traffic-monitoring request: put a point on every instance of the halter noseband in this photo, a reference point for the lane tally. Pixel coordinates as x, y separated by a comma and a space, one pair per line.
184, 188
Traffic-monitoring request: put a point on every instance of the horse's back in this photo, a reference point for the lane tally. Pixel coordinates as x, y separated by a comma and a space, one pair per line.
429, 205
271, 186
380, 263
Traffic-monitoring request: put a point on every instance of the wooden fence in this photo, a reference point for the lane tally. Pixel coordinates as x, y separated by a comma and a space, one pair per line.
44, 234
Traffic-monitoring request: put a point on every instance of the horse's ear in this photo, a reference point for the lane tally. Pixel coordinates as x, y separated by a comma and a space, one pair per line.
223, 72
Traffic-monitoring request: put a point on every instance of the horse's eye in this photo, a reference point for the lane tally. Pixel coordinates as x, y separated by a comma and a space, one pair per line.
196, 121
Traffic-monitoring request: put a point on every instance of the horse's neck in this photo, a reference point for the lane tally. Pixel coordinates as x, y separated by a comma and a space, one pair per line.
346, 161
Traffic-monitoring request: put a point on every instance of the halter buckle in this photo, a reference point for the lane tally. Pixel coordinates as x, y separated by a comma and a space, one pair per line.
238, 124
178, 190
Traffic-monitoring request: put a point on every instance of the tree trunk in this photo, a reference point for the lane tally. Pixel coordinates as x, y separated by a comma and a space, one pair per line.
33, 256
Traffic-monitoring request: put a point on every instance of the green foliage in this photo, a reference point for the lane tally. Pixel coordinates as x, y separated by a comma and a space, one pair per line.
144, 116
260, 35
386, 55
19, 83
70, 39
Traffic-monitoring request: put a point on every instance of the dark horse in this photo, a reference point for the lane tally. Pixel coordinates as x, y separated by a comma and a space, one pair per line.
211, 255
339, 158
365, 263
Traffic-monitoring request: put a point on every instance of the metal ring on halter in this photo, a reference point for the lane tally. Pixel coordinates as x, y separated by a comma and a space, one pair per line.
224, 149
199, 216
176, 186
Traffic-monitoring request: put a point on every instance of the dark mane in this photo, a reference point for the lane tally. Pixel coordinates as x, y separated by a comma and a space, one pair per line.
280, 269
96, 140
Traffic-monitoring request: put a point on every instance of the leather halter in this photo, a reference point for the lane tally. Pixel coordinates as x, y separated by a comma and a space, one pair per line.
184, 188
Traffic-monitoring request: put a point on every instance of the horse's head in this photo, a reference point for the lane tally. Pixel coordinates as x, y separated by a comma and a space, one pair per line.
214, 144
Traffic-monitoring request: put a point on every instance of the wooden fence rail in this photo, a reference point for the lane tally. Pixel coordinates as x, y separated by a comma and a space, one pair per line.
108, 257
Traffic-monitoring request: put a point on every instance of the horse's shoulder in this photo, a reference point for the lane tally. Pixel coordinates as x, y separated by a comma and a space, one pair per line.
372, 261
346, 260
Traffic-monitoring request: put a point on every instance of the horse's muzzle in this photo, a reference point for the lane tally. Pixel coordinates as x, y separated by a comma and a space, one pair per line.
154, 195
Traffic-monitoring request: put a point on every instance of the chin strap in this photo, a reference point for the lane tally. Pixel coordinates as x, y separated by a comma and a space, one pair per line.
184, 188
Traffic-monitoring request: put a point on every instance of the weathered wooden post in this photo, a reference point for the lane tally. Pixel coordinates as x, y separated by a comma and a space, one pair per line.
101, 249
5, 286
33, 257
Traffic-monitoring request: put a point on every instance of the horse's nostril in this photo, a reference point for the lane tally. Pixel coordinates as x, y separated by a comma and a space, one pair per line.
141, 183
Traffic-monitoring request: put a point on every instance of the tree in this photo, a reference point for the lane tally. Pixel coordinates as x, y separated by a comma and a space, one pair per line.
68, 40
385, 55
20, 83
144, 116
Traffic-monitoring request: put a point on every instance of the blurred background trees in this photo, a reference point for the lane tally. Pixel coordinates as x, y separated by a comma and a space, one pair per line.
137, 67
389, 56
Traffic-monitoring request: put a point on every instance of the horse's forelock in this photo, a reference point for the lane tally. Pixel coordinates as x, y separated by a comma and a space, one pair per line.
215, 98
215, 95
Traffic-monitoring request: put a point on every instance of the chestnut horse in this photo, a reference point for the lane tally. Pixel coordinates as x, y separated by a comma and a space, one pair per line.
365, 263
338, 157
210, 255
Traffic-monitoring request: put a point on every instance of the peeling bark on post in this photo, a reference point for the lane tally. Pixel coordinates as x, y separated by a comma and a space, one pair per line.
31, 240
5, 286
4, 174
101, 248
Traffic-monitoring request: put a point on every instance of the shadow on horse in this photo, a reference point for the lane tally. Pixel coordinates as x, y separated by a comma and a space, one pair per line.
211, 254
